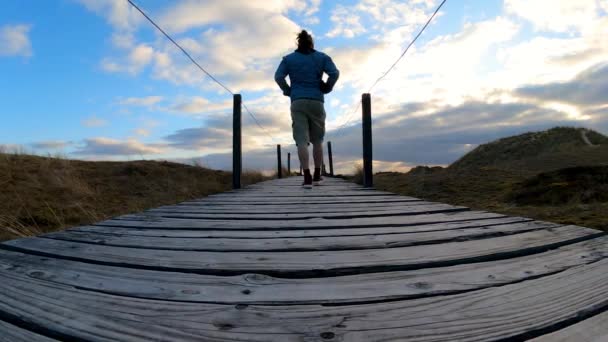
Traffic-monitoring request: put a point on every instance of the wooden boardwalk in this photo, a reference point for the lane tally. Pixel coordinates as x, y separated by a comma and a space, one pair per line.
275, 262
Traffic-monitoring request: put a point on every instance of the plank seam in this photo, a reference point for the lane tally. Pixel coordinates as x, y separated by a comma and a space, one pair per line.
312, 216
240, 203
75, 230
101, 224
579, 317
340, 303
325, 273
37, 328
480, 236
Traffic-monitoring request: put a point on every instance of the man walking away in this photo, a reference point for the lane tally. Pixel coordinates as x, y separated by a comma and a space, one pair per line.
305, 67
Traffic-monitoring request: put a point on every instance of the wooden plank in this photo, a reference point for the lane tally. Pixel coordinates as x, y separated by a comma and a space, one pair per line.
370, 241
314, 263
317, 223
288, 208
266, 215
269, 205
309, 196
300, 201
262, 289
12, 333
284, 233
515, 311
335, 191
594, 329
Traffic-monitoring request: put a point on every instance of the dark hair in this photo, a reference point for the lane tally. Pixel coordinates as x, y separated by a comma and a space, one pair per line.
305, 41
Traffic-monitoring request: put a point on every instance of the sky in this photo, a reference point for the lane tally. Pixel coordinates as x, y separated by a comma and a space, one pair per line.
93, 80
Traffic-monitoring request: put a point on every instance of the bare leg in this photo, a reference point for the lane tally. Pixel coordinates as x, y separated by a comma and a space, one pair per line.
317, 153
303, 155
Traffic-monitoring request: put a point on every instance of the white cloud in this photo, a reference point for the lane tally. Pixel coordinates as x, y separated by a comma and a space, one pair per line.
138, 58
399, 18
142, 132
141, 101
118, 13
346, 23
555, 15
14, 40
94, 121
51, 144
107, 147
198, 105
249, 26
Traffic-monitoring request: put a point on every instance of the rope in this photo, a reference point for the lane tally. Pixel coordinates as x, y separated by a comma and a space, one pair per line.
349, 118
200, 67
181, 48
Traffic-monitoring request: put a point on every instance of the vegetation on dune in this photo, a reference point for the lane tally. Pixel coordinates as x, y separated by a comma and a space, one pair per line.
553, 175
43, 194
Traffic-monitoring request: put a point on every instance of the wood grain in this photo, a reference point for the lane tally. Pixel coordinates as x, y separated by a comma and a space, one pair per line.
369, 241
307, 264
262, 289
509, 311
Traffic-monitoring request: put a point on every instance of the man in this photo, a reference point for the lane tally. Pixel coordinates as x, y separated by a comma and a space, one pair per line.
305, 68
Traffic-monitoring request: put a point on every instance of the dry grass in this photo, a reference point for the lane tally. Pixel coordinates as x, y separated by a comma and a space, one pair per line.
551, 175
491, 190
43, 194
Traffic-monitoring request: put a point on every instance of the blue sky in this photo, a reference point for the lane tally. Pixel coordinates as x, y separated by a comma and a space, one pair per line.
91, 79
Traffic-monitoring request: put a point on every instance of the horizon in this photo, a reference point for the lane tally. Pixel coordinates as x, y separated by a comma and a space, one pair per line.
96, 81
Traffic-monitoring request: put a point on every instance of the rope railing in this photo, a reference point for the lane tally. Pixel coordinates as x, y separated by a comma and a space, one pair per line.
216, 80
365, 103
237, 98
351, 115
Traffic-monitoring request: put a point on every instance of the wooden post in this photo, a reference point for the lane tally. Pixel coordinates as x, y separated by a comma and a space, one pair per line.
288, 164
368, 180
331, 159
237, 161
279, 168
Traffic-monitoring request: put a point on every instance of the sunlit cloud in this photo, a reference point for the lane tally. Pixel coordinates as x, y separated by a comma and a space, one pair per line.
15, 40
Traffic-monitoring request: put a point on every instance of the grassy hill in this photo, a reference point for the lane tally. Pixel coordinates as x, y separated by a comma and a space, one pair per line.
559, 175
42, 194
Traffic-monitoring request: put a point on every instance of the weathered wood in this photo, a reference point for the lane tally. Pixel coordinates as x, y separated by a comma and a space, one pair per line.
279, 163
268, 290
366, 128
237, 159
331, 159
300, 201
594, 329
298, 233
409, 210
255, 265
299, 193
313, 263
299, 244
287, 208
515, 311
12, 333
371, 222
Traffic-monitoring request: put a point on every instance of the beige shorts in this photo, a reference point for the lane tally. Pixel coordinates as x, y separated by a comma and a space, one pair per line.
308, 121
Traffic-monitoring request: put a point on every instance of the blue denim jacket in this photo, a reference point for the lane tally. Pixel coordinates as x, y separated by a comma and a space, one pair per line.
305, 70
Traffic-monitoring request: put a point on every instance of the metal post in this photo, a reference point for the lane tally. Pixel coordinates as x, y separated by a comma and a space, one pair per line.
331, 159
368, 180
279, 168
237, 161
288, 164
